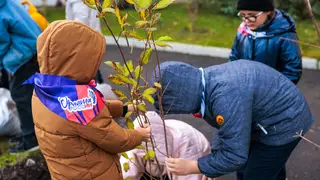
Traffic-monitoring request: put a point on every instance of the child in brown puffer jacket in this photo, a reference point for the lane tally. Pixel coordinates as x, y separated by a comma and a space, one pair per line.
74, 125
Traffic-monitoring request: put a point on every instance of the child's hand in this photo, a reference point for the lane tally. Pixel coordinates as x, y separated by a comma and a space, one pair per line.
182, 167
206, 178
145, 133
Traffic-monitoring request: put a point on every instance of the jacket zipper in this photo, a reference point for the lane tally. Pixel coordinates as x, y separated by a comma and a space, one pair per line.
253, 45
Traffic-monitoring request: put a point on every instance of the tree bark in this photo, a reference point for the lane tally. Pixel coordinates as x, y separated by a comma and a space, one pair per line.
314, 21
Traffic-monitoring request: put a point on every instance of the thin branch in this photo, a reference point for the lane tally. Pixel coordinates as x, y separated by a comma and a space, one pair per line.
118, 45
160, 101
300, 42
314, 21
165, 89
169, 108
304, 138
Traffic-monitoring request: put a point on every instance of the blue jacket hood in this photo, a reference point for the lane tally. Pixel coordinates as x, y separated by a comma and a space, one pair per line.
281, 23
180, 81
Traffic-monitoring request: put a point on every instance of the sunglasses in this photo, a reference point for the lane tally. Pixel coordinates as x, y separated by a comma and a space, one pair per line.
250, 18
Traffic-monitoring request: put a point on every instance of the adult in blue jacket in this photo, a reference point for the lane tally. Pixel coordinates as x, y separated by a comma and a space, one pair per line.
257, 112
263, 37
18, 57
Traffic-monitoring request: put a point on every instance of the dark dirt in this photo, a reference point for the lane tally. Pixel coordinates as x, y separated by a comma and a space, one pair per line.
32, 168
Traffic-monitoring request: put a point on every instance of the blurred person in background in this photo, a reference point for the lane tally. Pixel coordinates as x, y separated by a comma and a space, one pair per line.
36, 16
259, 38
18, 58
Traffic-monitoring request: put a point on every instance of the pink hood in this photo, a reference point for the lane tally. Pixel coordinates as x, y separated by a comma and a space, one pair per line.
184, 141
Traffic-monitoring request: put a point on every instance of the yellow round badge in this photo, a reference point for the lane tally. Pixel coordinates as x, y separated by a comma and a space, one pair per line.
220, 120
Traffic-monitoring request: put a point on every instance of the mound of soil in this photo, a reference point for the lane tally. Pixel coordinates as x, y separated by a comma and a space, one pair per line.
32, 168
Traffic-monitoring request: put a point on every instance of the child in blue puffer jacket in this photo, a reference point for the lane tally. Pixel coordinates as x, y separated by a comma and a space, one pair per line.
257, 112
18, 57
259, 38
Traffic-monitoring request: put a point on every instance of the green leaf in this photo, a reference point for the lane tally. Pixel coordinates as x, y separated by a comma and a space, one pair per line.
130, 2
115, 80
130, 124
136, 71
119, 66
119, 93
150, 91
158, 85
148, 98
124, 20
89, 2
125, 71
122, 98
133, 82
124, 78
109, 10
142, 4
163, 4
145, 56
115, 65
151, 154
162, 44
140, 147
125, 155
130, 65
143, 14
140, 24
164, 38
146, 157
132, 34
126, 167
107, 3
142, 107
128, 115
127, 103
118, 15
109, 63
127, 177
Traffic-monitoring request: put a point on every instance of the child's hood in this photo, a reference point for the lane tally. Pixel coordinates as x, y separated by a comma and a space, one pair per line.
71, 49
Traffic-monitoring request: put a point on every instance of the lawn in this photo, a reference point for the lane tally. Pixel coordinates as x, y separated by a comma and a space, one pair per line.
7, 159
211, 29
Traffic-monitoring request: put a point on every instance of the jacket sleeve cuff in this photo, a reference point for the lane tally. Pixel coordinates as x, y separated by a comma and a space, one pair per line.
205, 167
115, 107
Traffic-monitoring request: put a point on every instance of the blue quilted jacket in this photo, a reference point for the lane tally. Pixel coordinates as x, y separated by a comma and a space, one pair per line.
245, 100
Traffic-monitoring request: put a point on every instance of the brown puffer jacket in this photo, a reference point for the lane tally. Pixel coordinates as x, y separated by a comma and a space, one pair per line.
71, 150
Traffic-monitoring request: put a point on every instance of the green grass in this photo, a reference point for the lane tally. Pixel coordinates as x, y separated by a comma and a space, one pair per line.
7, 159
212, 29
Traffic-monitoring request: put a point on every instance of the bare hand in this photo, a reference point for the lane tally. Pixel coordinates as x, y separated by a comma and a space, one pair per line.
206, 178
182, 166
145, 133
